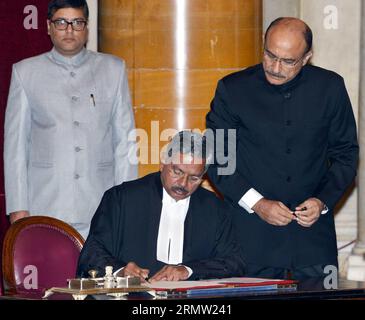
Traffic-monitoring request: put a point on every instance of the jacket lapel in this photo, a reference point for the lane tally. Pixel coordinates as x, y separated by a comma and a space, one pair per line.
154, 215
188, 229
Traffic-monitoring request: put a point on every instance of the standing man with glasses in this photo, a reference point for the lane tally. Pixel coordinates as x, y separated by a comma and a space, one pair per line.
296, 154
67, 123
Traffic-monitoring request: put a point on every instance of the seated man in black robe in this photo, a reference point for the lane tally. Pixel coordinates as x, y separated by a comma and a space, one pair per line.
165, 226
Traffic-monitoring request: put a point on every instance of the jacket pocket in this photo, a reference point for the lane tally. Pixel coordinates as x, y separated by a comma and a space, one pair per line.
42, 164
105, 164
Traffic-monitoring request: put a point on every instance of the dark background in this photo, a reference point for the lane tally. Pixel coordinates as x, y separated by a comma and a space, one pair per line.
16, 43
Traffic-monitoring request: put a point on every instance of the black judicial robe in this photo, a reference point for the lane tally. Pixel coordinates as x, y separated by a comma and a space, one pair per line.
125, 228
294, 141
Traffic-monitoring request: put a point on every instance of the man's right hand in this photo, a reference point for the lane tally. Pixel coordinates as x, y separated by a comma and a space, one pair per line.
273, 212
132, 269
14, 216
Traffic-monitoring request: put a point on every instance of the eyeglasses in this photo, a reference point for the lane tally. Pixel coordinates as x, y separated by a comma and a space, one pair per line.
62, 24
290, 63
176, 173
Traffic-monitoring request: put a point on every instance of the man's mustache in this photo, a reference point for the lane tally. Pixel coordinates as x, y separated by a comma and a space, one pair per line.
179, 189
276, 75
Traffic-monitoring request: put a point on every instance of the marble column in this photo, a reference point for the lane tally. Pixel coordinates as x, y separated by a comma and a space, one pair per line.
176, 51
356, 269
273, 9
336, 26
92, 44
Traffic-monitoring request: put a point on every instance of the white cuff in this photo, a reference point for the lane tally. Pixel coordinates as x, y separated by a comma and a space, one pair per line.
249, 199
116, 272
189, 270
325, 209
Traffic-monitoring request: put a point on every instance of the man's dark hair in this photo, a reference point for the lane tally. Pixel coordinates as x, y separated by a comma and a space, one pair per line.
308, 35
190, 143
55, 5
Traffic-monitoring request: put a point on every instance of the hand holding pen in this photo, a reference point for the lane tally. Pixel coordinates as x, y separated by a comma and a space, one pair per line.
301, 209
308, 212
132, 269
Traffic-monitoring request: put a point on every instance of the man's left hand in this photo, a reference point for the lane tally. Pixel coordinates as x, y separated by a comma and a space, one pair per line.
309, 212
171, 273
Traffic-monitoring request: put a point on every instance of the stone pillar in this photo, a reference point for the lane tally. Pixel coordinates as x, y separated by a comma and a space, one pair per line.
92, 44
273, 9
175, 51
356, 268
336, 26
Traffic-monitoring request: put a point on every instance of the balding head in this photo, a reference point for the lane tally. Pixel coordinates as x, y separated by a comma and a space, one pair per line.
293, 25
288, 43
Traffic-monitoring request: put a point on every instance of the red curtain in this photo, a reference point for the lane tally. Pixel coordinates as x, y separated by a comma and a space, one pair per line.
23, 33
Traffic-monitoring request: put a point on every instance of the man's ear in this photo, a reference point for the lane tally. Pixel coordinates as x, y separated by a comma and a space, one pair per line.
48, 26
263, 44
307, 57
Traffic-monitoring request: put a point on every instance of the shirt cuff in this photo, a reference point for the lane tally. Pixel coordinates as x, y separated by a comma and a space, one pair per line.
325, 209
116, 272
189, 270
249, 199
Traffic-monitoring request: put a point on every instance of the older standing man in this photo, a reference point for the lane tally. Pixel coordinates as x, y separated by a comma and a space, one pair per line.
67, 123
297, 153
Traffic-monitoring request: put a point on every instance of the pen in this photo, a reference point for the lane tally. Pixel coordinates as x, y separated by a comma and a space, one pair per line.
303, 209
92, 99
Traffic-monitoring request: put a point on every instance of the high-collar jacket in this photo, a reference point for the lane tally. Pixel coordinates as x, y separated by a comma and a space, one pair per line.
66, 134
293, 141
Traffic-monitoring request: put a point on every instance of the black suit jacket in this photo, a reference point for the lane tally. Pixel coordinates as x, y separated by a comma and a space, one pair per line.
125, 228
294, 141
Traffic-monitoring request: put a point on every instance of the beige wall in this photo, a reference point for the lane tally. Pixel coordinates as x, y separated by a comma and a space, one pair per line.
273, 9
175, 51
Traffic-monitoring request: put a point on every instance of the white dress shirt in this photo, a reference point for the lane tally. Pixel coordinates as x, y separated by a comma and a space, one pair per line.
170, 241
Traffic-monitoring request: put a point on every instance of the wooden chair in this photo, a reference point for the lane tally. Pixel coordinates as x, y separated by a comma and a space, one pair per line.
4, 225
38, 253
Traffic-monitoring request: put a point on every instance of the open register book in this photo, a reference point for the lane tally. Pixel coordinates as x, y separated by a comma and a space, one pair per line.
214, 287
219, 286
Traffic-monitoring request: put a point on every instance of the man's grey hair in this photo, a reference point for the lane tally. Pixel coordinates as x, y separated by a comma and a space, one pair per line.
190, 143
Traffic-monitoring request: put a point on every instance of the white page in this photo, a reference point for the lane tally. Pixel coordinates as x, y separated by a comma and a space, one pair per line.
170, 285
244, 280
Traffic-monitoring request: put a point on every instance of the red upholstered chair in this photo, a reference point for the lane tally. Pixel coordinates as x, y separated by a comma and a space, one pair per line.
4, 224
1, 284
47, 244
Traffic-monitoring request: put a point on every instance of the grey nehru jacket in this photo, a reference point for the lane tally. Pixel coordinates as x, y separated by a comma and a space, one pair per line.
66, 134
